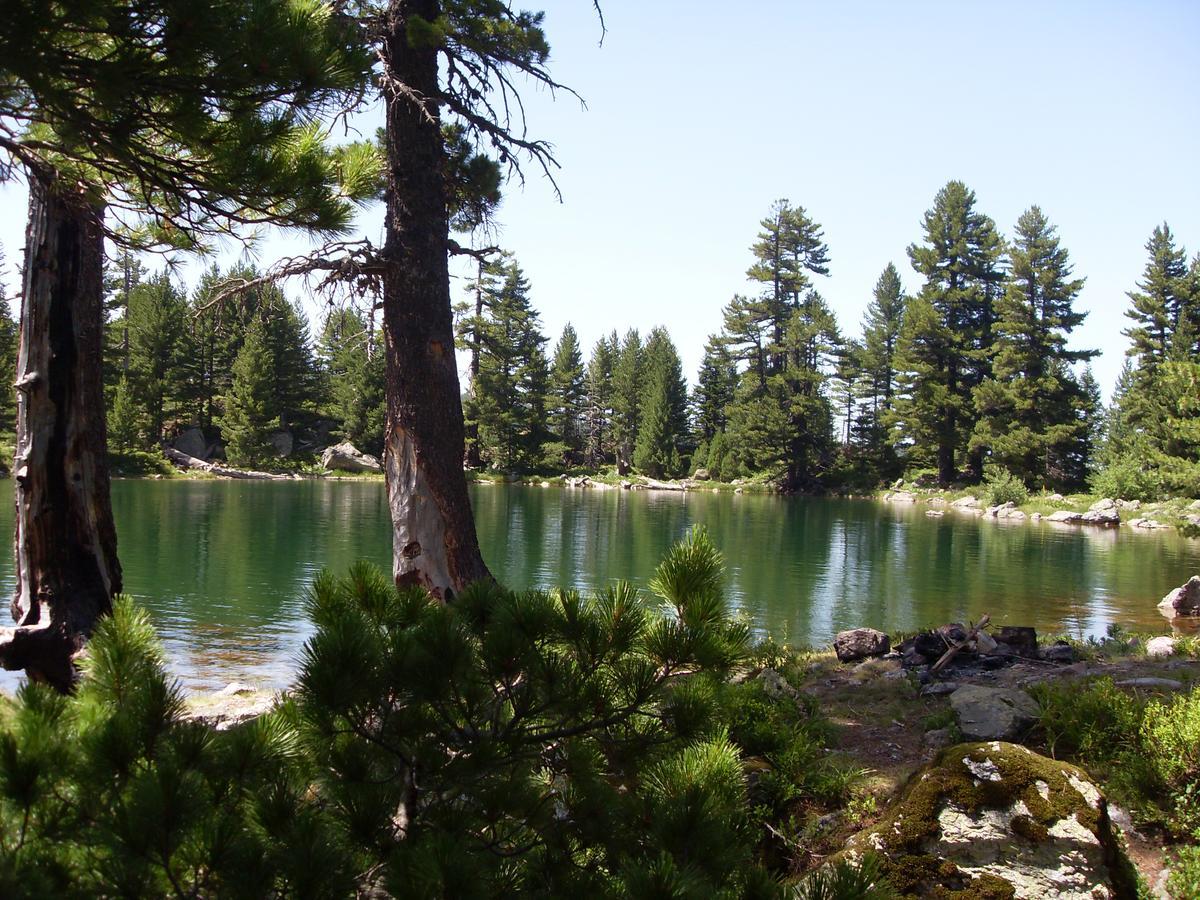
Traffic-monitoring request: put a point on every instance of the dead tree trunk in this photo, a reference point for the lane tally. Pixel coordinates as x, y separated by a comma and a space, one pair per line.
434, 541
66, 544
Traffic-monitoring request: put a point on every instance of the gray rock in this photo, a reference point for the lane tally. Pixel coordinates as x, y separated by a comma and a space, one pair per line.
1103, 512
776, 686
1019, 639
702, 475
934, 513
900, 497
1002, 508
1184, 600
193, 443
966, 503
283, 442
1160, 646
860, 643
1130, 505
1148, 524
1068, 516
996, 819
939, 689
1169, 684
991, 714
1056, 498
1195, 504
938, 738
346, 457
1059, 653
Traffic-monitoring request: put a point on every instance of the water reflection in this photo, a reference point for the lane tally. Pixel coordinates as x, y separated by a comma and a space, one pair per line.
224, 566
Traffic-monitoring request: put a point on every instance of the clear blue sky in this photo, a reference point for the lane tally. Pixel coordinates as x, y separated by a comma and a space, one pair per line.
700, 114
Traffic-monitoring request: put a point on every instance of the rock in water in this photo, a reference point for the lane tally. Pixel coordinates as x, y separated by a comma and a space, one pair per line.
1103, 512
997, 820
348, 458
990, 714
900, 497
1065, 515
1184, 600
860, 643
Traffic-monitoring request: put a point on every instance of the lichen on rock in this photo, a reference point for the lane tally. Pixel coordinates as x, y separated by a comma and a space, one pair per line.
995, 820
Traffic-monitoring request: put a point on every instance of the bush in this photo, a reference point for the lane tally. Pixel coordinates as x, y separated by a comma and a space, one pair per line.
1004, 487
1184, 880
1127, 478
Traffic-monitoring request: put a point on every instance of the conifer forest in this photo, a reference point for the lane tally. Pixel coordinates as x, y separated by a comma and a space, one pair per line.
493, 707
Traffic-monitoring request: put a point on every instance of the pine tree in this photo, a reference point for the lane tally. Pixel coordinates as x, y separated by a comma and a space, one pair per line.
191, 120
156, 326
877, 385
8, 356
513, 377
250, 414
295, 368
124, 419
1158, 303
662, 428
568, 394
356, 379
627, 390
944, 350
600, 399
1031, 408
715, 386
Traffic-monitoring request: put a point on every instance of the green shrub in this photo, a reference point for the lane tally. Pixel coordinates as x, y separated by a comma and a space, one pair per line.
1093, 721
1127, 479
845, 880
1184, 881
1171, 735
1002, 486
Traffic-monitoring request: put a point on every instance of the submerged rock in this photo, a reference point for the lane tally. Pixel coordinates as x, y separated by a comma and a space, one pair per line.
996, 820
987, 713
1184, 600
860, 643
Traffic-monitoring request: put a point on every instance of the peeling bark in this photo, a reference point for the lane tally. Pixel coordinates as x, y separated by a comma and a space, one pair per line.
66, 544
433, 542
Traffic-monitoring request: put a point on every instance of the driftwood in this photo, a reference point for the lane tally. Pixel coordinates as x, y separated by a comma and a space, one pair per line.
190, 462
945, 658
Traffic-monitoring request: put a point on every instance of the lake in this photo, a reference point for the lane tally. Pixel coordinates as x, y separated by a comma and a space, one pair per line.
223, 566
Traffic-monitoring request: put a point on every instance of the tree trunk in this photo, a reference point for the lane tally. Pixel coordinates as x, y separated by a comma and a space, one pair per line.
66, 545
433, 541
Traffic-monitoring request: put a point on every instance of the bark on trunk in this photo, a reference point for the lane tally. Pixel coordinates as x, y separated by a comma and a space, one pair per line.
66, 545
433, 541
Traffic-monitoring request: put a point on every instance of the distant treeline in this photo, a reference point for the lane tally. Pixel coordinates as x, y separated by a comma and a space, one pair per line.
972, 372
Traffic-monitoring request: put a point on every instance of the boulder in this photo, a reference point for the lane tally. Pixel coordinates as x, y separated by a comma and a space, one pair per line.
1003, 507
966, 503
1130, 505
1160, 646
1020, 640
776, 686
990, 714
1195, 504
1056, 498
860, 643
346, 457
1148, 524
1184, 600
997, 820
283, 442
900, 497
193, 443
702, 475
937, 501
934, 513
1059, 652
1068, 516
1103, 512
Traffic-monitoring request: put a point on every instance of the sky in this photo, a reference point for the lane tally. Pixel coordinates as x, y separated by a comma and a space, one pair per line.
698, 115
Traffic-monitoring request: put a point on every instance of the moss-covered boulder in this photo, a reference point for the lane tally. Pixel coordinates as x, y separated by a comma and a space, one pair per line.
994, 820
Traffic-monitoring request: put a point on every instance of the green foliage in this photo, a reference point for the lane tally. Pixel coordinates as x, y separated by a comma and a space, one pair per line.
847, 880
250, 412
112, 792
1004, 487
1127, 478
124, 427
1150, 750
1184, 880
531, 741
568, 394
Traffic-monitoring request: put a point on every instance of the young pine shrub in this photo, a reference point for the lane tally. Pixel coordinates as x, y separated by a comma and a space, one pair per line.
531, 742
1003, 486
112, 792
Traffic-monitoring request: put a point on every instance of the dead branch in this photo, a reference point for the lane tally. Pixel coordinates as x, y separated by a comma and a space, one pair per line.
945, 658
